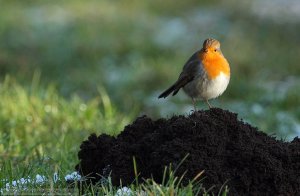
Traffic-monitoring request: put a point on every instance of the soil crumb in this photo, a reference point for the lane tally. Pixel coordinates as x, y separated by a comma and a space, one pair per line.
230, 151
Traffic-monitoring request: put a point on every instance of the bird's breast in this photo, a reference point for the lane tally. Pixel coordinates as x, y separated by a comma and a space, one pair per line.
215, 66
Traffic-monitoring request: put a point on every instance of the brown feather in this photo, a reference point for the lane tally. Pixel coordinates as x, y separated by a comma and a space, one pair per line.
185, 77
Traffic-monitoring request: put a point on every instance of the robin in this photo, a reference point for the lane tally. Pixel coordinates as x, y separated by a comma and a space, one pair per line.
204, 76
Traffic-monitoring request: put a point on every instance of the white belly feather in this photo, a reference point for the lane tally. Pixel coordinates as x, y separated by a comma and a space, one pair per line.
202, 88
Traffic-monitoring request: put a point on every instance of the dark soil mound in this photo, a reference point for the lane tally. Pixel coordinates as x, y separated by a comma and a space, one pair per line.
229, 150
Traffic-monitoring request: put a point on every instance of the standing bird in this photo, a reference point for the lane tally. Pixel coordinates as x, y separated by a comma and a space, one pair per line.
204, 76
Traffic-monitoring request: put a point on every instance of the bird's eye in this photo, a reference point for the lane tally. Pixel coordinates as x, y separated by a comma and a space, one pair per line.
215, 50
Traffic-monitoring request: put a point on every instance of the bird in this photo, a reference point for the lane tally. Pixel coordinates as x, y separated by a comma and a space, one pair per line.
204, 76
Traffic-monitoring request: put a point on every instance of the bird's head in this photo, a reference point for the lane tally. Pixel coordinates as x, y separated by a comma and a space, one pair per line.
211, 48
212, 58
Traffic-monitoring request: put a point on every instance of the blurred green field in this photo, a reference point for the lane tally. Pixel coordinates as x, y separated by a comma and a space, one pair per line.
70, 68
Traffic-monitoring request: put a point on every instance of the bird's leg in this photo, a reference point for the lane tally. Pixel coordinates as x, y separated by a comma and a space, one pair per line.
194, 103
208, 104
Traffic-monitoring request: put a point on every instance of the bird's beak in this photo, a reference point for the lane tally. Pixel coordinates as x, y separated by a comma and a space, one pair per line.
205, 49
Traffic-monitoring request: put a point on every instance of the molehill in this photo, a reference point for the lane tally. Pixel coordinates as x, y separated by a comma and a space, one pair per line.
227, 149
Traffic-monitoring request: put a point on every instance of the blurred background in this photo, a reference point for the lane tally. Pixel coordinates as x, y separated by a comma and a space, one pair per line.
118, 56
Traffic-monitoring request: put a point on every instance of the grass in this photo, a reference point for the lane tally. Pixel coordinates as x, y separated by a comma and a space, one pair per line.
39, 124
54, 184
41, 132
71, 68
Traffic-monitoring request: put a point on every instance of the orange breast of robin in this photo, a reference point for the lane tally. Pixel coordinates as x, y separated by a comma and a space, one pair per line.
214, 65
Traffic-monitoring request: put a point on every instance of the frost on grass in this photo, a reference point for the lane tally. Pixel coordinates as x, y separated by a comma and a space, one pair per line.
23, 183
73, 177
39, 180
124, 191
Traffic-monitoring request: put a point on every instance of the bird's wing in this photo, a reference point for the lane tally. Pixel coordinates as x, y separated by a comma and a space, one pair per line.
187, 75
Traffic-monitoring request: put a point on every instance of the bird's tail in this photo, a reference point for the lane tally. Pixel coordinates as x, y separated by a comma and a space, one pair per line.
167, 92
